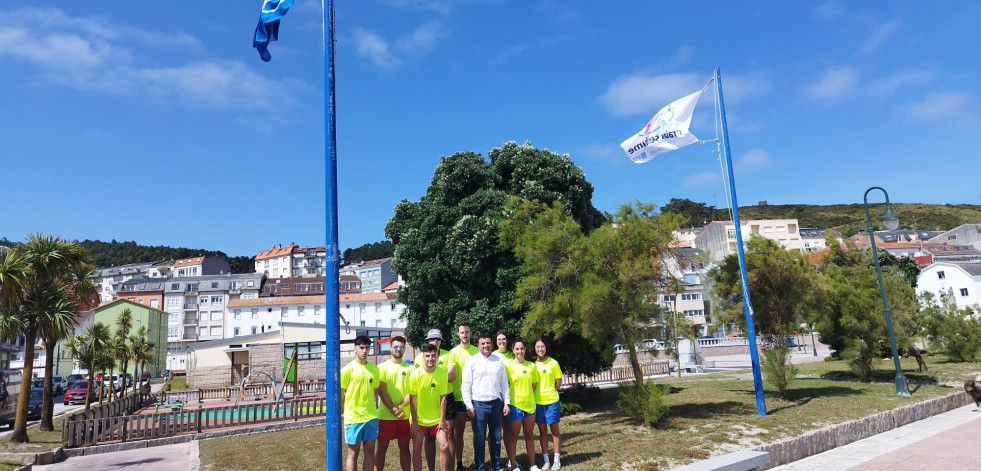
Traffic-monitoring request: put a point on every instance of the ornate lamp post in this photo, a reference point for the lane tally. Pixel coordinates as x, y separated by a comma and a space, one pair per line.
891, 220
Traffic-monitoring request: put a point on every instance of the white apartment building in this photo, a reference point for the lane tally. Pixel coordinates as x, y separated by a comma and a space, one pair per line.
261, 315
375, 275
718, 238
379, 310
292, 261
107, 280
957, 282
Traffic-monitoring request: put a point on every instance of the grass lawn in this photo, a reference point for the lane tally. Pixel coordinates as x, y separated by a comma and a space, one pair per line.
39, 441
710, 414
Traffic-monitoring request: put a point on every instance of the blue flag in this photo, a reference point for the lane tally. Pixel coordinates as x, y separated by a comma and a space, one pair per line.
268, 29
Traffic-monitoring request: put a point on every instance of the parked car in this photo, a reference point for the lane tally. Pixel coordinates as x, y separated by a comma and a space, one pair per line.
70, 380
59, 384
166, 374
37, 382
76, 393
145, 376
34, 404
129, 380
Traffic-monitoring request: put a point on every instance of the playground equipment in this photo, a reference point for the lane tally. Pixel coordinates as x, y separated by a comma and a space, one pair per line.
278, 389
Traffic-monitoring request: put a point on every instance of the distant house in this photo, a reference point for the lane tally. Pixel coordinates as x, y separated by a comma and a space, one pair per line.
965, 234
292, 261
154, 320
959, 283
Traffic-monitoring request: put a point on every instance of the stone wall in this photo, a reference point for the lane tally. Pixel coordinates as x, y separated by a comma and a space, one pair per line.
723, 350
209, 377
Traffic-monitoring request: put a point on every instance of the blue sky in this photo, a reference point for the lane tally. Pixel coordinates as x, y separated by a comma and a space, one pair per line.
161, 125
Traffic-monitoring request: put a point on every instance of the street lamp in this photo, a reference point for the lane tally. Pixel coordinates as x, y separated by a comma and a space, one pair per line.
891, 220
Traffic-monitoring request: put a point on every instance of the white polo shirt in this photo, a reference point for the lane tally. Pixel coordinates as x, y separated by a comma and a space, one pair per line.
484, 380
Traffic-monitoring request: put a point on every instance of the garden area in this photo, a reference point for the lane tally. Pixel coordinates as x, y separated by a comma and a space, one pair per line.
708, 415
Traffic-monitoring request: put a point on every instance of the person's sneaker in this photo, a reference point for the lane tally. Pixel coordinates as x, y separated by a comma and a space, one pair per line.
545, 466
459, 467
534, 468
556, 465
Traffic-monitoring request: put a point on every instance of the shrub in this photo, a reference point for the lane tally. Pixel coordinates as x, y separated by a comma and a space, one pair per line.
778, 372
646, 403
166, 387
582, 394
569, 408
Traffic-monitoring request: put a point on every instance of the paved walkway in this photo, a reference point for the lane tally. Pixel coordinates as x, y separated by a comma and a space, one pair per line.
948, 441
158, 458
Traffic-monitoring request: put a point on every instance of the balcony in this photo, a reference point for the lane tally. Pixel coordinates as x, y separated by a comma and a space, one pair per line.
190, 320
190, 337
190, 306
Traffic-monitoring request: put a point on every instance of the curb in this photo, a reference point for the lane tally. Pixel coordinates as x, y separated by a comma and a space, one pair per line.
98, 449
30, 459
819, 441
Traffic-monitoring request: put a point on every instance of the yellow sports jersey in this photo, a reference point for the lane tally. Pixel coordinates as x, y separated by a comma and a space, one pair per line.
548, 372
396, 379
359, 382
428, 388
440, 362
521, 380
503, 355
459, 357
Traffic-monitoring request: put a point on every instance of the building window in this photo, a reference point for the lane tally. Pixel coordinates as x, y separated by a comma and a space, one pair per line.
362, 307
175, 286
963, 291
284, 311
204, 300
940, 275
250, 284
393, 306
235, 332
216, 331
378, 308
255, 330
204, 331
299, 310
378, 322
767, 230
237, 314
217, 300
139, 300
172, 332
172, 318
305, 350
216, 315
255, 313
668, 297
347, 306
316, 310
691, 297
694, 312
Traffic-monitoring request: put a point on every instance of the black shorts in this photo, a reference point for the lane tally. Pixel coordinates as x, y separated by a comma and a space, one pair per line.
461, 407
450, 407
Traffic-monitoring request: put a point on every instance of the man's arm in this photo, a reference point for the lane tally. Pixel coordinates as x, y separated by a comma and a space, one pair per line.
451, 372
443, 423
382, 393
502, 378
413, 412
467, 384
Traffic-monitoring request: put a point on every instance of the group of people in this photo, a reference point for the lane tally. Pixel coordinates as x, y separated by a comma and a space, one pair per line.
504, 391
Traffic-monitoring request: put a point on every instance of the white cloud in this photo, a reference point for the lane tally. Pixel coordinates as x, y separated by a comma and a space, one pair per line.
829, 10
702, 180
835, 83
755, 159
418, 42
375, 47
422, 39
645, 94
880, 34
957, 107
91, 54
887, 85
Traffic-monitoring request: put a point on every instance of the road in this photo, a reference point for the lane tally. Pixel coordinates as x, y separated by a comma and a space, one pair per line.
59, 409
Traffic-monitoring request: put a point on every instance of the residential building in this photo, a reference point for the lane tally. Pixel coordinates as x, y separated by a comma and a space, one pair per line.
146, 291
952, 253
295, 286
201, 265
814, 240
257, 316
106, 279
292, 261
959, 283
153, 319
718, 238
374, 274
376, 310
966, 234
690, 267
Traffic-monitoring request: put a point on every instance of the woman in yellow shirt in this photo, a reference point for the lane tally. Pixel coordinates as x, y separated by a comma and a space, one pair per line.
522, 382
547, 400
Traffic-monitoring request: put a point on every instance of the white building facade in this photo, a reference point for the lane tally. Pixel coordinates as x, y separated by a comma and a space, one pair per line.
957, 282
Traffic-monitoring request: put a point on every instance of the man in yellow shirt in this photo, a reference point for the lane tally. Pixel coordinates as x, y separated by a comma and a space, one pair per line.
458, 357
428, 387
359, 387
393, 417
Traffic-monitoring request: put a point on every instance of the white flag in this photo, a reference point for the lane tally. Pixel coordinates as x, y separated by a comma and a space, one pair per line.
665, 132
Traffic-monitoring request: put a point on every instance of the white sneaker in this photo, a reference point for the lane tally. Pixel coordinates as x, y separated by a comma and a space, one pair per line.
556, 465
534, 468
545, 466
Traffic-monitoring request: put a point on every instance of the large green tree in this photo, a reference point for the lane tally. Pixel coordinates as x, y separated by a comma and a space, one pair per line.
695, 214
598, 286
372, 251
447, 242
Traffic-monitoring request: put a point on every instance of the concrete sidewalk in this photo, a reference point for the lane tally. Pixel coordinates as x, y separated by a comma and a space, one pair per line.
946, 441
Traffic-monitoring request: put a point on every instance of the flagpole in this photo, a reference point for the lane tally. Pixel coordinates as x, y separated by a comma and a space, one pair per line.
747, 305
331, 288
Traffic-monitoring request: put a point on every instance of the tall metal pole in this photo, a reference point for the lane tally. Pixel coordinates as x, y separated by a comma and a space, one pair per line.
331, 288
813, 343
902, 388
747, 305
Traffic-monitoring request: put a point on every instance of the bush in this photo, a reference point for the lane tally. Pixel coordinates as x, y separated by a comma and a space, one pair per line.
166, 387
778, 372
569, 408
582, 394
646, 403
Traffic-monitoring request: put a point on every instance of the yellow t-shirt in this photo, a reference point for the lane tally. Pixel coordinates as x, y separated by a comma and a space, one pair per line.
428, 389
396, 379
503, 355
440, 361
359, 382
548, 372
521, 381
459, 357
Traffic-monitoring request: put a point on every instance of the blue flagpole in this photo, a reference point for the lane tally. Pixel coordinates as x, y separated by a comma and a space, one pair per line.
747, 305
333, 326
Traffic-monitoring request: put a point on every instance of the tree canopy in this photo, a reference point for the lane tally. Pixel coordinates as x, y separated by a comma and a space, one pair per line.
371, 251
447, 242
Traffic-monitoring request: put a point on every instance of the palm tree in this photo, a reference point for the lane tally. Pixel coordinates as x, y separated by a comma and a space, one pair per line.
13, 278
142, 350
87, 348
124, 323
43, 296
57, 322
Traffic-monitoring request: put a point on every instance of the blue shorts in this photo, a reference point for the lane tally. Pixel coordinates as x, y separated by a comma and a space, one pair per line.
518, 414
362, 432
548, 414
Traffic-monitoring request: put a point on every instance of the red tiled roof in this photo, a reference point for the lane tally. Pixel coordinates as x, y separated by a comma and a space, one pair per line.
276, 301
189, 261
352, 297
391, 286
289, 249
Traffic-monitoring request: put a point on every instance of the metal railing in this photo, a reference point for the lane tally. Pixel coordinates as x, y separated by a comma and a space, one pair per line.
723, 342
231, 392
176, 420
618, 373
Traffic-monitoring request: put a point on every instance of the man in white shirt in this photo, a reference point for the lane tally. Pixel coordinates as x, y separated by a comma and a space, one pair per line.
486, 396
